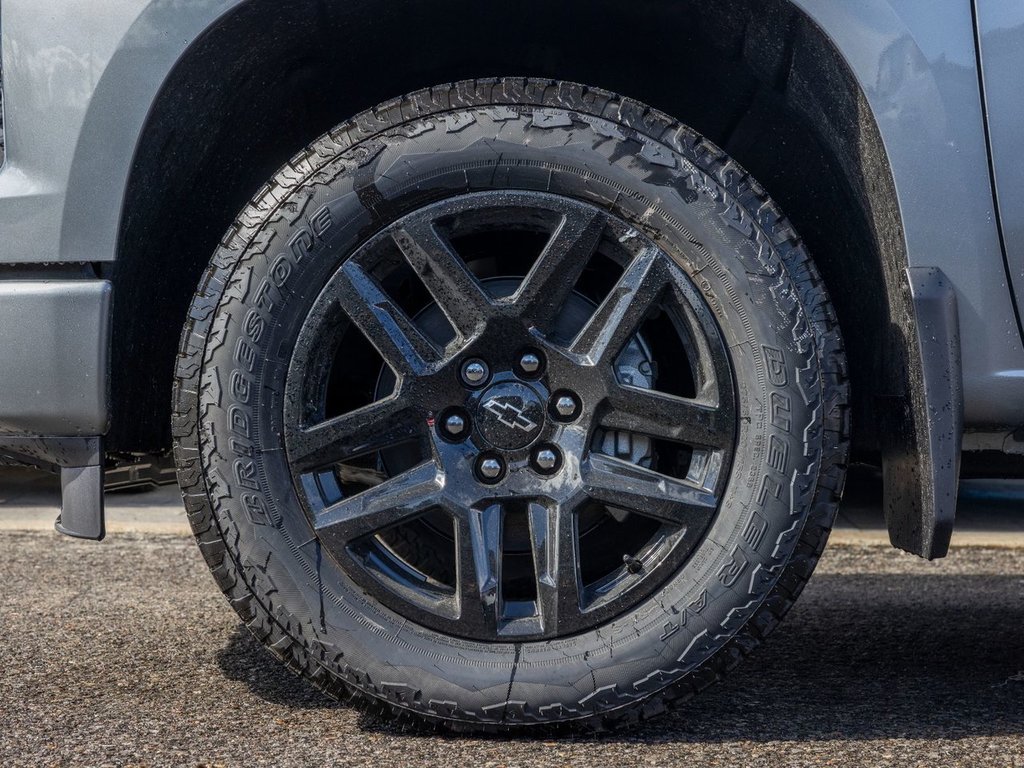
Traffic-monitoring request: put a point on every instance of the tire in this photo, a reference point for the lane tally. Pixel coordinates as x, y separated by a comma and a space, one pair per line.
774, 498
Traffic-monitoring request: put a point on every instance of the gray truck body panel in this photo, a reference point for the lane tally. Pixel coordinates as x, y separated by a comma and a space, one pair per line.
916, 61
1001, 47
80, 77
53, 356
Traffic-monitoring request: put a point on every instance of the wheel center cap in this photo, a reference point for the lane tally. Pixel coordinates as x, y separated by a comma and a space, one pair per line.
509, 415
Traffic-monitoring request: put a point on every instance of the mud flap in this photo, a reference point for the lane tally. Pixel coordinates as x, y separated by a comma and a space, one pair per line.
81, 507
922, 438
79, 461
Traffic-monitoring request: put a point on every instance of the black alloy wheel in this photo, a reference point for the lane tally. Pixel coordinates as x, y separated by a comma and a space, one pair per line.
502, 404
511, 404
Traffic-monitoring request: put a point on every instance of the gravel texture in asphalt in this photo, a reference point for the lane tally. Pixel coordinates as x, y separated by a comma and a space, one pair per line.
124, 653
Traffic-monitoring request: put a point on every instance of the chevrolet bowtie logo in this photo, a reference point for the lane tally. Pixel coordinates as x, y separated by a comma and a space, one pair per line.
509, 415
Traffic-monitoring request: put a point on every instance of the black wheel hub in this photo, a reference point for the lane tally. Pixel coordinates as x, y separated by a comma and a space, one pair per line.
509, 415
513, 415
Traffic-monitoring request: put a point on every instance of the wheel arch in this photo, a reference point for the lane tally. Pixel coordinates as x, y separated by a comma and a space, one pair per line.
788, 105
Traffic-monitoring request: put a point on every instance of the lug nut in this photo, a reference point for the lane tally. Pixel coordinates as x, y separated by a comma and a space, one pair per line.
546, 460
475, 372
490, 468
530, 363
455, 425
565, 406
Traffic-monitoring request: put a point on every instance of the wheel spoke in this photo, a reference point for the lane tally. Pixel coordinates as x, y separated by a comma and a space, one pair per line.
554, 275
622, 312
629, 486
386, 326
392, 502
444, 273
371, 428
556, 565
669, 417
479, 547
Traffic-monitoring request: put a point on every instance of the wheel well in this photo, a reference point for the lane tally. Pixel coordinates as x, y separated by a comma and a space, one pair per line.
754, 76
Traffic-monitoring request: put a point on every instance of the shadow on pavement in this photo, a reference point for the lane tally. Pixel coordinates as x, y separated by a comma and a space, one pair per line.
244, 659
860, 657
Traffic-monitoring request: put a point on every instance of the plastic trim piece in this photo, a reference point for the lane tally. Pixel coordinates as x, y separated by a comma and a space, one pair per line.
922, 439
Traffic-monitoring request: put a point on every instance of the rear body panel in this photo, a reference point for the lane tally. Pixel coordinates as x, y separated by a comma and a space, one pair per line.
1001, 47
916, 61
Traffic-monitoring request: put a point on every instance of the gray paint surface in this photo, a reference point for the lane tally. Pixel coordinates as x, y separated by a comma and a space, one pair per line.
81, 75
916, 61
54, 337
1001, 40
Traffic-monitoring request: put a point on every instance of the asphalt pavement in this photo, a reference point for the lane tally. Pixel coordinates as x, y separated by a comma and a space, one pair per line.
125, 653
